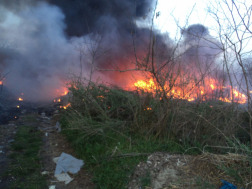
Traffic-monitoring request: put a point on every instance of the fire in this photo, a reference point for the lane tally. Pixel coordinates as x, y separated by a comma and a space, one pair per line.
148, 108
146, 86
209, 89
1, 83
20, 99
18, 106
62, 92
65, 107
100, 96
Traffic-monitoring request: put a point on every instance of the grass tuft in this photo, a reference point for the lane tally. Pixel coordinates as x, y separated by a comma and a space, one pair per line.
113, 129
25, 161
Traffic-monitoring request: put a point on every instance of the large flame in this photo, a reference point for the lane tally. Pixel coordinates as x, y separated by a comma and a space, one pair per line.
209, 89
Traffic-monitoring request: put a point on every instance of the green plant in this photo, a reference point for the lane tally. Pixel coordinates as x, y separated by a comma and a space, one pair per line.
146, 181
25, 161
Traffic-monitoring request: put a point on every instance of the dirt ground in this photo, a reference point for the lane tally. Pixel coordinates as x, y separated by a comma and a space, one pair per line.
7, 133
164, 170
53, 145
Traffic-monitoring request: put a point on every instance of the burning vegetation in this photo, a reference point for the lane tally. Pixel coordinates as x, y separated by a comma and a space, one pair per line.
208, 90
186, 91
108, 114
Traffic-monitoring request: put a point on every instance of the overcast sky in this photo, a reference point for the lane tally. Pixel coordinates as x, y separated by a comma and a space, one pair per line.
180, 9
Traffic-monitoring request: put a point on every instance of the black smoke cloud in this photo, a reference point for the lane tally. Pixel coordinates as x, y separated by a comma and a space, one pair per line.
83, 17
39, 38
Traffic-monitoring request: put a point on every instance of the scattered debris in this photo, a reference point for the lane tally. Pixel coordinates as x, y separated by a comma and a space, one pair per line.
52, 187
55, 160
63, 177
227, 185
58, 127
66, 163
45, 172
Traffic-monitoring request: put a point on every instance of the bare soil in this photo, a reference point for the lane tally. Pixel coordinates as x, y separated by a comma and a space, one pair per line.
54, 144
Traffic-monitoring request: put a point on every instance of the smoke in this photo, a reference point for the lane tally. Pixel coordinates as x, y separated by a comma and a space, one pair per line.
201, 50
42, 40
34, 50
39, 39
83, 17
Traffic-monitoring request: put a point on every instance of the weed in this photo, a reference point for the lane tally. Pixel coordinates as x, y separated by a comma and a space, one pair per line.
146, 181
25, 162
113, 129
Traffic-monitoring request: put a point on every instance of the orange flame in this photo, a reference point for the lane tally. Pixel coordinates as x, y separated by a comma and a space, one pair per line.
20, 99
65, 107
190, 92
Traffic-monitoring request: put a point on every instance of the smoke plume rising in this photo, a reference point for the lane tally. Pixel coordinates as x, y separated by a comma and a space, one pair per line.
41, 41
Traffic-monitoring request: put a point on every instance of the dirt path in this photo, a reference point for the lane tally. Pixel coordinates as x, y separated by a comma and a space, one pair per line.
53, 145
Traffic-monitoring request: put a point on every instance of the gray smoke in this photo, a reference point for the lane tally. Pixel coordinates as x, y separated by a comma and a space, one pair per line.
34, 51
39, 38
201, 49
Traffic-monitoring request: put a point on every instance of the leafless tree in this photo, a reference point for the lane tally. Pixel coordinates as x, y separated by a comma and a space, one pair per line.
234, 31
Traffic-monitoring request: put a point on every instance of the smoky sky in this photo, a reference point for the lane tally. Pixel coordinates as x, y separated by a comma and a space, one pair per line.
41, 41
40, 38
83, 17
200, 49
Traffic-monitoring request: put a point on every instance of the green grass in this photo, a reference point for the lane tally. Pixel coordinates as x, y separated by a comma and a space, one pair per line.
113, 129
25, 161
146, 180
112, 157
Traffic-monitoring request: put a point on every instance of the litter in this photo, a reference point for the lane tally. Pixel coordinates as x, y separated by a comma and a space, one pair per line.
64, 177
52, 187
44, 172
58, 127
227, 185
66, 163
